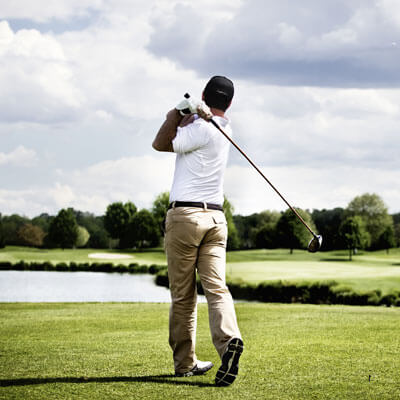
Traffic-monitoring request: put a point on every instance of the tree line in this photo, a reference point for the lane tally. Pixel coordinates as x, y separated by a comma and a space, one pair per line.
364, 224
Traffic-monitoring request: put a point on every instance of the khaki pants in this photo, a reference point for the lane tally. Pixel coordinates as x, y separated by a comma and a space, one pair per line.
195, 239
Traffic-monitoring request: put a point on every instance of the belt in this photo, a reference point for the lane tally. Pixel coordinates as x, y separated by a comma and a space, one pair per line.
197, 204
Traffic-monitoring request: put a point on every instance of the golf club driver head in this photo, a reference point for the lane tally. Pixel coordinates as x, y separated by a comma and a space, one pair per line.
315, 244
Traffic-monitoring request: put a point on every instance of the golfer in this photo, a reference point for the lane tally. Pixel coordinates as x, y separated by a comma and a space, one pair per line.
196, 231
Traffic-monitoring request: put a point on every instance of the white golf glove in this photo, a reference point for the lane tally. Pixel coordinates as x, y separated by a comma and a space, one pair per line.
191, 106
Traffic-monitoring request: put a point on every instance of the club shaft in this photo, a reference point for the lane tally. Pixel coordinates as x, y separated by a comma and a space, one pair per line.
265, 178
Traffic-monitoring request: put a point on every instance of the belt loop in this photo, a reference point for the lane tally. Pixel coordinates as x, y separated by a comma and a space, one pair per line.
205, 206
173, 205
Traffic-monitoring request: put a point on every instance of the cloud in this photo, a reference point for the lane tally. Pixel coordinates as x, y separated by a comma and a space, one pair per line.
20, 157
137, 179
316, 127
306, 188
37, 82
43, 10
310, 43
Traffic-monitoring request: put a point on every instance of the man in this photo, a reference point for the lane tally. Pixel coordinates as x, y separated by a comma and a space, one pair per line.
196, 230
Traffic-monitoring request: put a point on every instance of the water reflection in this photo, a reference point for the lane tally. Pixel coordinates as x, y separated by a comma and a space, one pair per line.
45, 286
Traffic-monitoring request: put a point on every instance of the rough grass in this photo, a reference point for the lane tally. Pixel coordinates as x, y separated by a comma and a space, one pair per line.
119, 351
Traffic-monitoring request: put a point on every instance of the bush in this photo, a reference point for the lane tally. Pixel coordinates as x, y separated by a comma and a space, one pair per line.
62, 266
30, 235
6, 265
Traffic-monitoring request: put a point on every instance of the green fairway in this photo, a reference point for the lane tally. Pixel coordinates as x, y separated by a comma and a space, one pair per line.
119, 351
355, 275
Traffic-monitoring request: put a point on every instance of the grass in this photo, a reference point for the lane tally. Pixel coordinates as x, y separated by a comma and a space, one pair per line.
367, 271
120, 350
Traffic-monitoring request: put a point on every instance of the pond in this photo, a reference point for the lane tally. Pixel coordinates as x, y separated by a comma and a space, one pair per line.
46, 286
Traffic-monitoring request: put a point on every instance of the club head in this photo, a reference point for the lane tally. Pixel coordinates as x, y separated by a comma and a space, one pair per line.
315, 244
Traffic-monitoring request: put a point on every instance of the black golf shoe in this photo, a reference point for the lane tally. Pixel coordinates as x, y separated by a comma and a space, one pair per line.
230, 363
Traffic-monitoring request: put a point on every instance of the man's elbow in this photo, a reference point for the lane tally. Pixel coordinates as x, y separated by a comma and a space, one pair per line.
161, 147
155, 145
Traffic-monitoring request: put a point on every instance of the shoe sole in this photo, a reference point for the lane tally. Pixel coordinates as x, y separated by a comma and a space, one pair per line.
230, 363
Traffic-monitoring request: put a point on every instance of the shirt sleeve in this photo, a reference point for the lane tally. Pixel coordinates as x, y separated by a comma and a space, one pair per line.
190, 137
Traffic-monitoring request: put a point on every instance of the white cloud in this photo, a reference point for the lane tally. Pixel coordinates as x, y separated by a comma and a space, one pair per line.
36, 79
43, 10
21, 157
136, 179
307, 187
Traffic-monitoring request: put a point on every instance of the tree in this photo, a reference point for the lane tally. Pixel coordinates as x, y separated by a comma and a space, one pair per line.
396, 227
354, 234
98, 235
291, 233
2, 238
233, 237
159, 210
327, 223
83, 237
63, 230
99, 239
11, 224
251, 229
263, 235
373, 211
117, 218
142, 231
31, 235
42, 221
387, 239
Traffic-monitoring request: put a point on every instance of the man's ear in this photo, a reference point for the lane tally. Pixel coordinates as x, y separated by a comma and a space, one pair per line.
202, 96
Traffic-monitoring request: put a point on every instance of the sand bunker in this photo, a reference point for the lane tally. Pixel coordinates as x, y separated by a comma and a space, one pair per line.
110, 256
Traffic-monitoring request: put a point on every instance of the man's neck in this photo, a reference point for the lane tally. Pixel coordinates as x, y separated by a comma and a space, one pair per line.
217, 112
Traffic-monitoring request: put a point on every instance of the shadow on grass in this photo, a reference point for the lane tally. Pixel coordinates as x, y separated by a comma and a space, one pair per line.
163, 379
339, 259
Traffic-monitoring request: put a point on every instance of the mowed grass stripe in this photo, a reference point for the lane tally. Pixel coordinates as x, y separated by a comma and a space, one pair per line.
354, 275
113, 350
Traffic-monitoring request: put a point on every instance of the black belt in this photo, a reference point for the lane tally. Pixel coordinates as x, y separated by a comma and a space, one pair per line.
197, 204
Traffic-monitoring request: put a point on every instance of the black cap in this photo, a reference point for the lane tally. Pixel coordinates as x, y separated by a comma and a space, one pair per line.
218, 92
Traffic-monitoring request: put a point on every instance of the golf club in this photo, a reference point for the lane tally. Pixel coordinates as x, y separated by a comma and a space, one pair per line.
315, 243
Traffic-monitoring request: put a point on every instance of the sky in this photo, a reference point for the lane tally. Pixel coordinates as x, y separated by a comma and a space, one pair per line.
86, 84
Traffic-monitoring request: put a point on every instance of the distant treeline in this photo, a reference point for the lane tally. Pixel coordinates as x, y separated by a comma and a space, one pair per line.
364, 224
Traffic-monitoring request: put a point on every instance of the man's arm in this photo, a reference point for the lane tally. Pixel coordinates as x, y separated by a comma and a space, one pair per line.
167, 132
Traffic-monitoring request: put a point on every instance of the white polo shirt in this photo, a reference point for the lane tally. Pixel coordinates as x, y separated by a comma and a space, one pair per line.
202, 155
